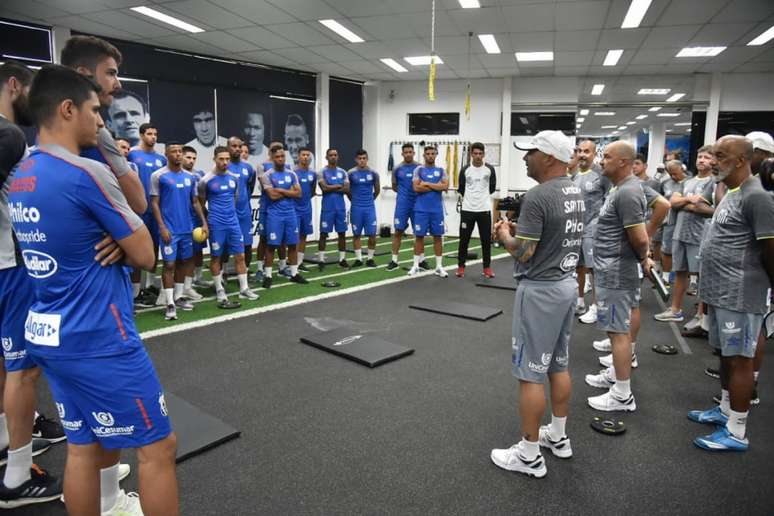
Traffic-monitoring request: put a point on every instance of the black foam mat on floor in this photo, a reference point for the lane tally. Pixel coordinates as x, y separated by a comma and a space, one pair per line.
463, 310
196, 430
368, 350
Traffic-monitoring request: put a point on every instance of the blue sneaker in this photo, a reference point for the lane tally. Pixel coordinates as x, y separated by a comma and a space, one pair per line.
721, 440
286, 272
709, 417
259, 276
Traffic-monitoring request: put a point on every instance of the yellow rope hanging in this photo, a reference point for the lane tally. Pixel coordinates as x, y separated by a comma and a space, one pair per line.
467, 102
431, 76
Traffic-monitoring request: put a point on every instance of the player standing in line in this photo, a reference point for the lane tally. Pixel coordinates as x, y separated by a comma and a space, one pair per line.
334, 183
307, 179
403, 186
218, 191
245, 175
429, 183
363, 190
189, 165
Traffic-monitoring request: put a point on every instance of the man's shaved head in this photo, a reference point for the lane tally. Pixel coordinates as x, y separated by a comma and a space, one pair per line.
737, 145
622, 150
587, 149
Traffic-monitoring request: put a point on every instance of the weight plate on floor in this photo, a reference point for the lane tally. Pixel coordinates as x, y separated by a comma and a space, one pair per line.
665, 349
330, 284
608, 426
229, 305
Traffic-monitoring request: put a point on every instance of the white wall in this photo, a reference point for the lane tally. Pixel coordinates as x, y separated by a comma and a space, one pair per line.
747, 92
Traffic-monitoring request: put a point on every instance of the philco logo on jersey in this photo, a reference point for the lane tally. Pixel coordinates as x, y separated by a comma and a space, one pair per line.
20, 213
39, 265
42, 329
569, 262
347, 340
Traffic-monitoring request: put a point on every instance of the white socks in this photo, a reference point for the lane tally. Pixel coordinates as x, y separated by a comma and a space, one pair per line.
371, 254
530, 449
581, 303
557, 429
293, 270
422, 257
242, 282
178, 290
342, 255
300, 258
3, 432
665, 276
321, 256
218, 280
108, 486
18, 469
755, 376
737, 424
187, 283
725, 402
259, 266
439, 262
198, 274
135, 290
282, 264
358, 254
622, 389
417, 259
395, 258
267, 272
169, 294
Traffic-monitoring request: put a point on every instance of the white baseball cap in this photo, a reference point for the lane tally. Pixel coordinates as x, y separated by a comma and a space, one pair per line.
761, 140
553, 143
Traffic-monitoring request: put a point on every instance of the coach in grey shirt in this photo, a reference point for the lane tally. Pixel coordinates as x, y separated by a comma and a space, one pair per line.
546, 244
620, 244
736, 275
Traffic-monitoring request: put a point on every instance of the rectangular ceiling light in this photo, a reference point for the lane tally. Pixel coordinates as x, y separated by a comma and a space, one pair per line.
584, 112
608, 127
763, 38
422, 60
676, 97
580, 119
682, 124
534, 56
668, 114
631, 123
469, 4
653, 91
604, 113
392, 63
621, 128
700, 51
170, 20
655, 108
640, 117
342, 31
635, 14
612, 57
489, 43
597, 89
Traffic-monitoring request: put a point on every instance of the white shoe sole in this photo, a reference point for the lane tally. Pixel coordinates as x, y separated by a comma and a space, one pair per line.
614, 408
530, 472
604, 363
251, 298
602, 346
587, 320
544, 442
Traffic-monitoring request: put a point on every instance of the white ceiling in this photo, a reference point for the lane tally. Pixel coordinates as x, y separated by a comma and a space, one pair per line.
286, 33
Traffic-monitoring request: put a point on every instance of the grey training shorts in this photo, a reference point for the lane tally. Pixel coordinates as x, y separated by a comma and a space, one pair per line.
685, 257
614, 308
733, 333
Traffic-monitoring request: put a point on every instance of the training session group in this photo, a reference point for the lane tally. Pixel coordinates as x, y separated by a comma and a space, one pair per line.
328, 257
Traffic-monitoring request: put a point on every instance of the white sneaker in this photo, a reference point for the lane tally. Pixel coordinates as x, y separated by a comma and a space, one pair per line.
127, 504
607, 360
123, 471
248, 294
512, 460
693, 323
607, 402
603, 345
590, 317
560, 448
414, 271
603, 380
587, 288
440, 272
669, 316
193, 295
221, 296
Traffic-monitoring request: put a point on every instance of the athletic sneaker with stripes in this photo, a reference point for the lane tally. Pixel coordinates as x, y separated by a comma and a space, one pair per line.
609, 402
38, 446
607, 360
40, 488
48, 429
127, 504
604, 380
513, 459
560, 448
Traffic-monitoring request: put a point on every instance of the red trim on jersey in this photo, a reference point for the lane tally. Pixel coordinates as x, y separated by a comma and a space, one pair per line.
140, 405
117, 316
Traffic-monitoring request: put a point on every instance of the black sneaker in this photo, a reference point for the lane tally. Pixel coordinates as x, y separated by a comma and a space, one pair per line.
357, 263
424, 265
38, 446
303, 268
370, 263
153, 289
148, 297
48, 429
266, 282
392, 265
141, 301
711, 371
40, 488
343, 264
320, 266
299, 279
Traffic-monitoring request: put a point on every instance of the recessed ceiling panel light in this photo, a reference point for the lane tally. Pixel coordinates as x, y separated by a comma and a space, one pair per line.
608, 127
489, 43
631, 123
621, 128
392, 63
700, 51
342, 31
597, 89
653, 91
655, 108
534, 56
469, 4
676, 97
763, 38
635, 14
422, 60
604, 113
580, 119
668, 115
640, 117
584, 112
612, 57
682, 124
170, 20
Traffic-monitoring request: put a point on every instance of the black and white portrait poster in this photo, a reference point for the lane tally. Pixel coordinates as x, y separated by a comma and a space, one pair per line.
293, 124
245, 114
130, 109
185, 113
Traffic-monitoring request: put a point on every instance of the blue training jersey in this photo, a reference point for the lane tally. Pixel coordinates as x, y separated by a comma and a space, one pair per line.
307, 179
196, 175
332, 201
267, 166
245, 174
176, 191
361, 187
82, 309
147, 163
404, 176
219, 190
429, 201
284, 179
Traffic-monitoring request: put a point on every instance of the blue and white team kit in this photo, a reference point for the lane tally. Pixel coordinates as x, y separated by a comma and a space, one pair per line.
281, 218
245, 175
197, 176
333, 215
80, 329
362, 213
147, 163
307, 180
220, 191
428, 206
176, 192
263, 203
406, 196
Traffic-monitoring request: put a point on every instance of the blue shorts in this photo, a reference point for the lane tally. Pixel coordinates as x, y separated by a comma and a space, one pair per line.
116, 401
152, 225
228, 239
199, 247
282, 229
428, 222
403, 214
262, 223
305, 226
333, 220
246, 224
363, 220
16, 297
179, 248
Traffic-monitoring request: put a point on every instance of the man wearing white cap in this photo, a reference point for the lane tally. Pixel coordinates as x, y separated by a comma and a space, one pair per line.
620, 243
546, 244
763, 148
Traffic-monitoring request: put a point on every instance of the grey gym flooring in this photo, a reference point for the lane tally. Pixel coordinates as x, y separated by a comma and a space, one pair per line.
324, 435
